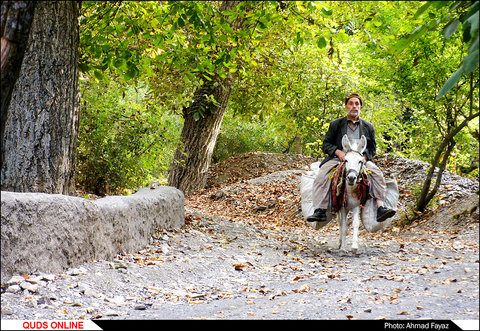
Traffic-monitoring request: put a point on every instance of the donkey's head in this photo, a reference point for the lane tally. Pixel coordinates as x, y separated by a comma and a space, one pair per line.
354, 160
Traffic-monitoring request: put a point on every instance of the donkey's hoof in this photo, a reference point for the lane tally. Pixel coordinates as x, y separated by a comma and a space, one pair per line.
343, 249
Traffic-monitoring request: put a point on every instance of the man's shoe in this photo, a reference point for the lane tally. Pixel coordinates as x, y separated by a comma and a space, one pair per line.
384, 213
319, 215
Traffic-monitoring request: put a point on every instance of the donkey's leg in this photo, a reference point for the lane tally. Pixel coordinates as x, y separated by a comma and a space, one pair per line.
343, 228
356, 225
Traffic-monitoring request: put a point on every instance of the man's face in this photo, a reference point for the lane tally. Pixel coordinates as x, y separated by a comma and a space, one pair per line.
353, 107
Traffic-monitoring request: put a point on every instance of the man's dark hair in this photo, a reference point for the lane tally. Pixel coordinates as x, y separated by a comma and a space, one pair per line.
354, 95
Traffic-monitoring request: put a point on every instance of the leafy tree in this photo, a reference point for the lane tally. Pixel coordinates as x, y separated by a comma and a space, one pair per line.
284, 67
204, 44
454, 113
125, 139
459, 12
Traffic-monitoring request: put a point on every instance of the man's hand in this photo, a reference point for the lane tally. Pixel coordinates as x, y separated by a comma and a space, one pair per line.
340, 154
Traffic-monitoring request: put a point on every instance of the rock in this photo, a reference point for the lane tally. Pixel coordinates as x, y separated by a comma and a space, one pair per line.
111, 312
164, 247
15, 280
50, 232
118, 300
118, 265
44, 301
14, 289
47, 277
457, 245
76, 271
7, 311
29, 286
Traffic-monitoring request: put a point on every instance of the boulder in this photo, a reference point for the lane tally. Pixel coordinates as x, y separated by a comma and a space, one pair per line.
51, 232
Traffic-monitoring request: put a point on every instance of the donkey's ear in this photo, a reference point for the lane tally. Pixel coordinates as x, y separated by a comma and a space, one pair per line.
346, 144
363, 145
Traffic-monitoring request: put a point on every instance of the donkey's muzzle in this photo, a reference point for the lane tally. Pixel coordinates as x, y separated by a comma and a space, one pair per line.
351, 178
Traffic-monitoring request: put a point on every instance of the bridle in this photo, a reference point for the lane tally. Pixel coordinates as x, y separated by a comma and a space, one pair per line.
357, 173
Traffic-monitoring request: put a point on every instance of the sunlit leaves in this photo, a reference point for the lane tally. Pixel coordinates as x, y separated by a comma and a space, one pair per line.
450, 83
422, 9
322, 42
450, 28
459, 13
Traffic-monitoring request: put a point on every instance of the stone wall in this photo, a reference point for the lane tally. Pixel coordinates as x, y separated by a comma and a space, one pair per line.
51, 232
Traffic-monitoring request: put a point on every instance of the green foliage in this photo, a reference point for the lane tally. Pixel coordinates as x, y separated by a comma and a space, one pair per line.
293, 63
465, 13
125, 140
239, 136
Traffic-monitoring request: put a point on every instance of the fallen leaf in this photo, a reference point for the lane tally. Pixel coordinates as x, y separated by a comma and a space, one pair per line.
194, 302
449, 281
303, 289
239, 266
279, 293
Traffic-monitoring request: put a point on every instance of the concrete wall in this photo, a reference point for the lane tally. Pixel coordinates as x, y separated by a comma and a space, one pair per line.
51, 232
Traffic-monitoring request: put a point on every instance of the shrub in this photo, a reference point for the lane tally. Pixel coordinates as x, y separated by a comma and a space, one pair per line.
125, 140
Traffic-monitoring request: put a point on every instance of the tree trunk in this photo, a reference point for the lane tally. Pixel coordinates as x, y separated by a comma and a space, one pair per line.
445, 147
41, 128
426, 194
16, 20
202, 121
192, 158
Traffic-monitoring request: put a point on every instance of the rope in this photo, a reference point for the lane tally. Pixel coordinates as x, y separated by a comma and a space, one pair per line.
339, 198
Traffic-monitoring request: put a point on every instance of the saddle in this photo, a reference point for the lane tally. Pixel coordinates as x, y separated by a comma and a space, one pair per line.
339, 198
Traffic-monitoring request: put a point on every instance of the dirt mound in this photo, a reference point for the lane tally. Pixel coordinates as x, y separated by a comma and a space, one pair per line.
265, 187
253, 165
411, 174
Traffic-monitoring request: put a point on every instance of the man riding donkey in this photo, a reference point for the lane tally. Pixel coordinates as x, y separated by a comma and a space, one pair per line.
354, 127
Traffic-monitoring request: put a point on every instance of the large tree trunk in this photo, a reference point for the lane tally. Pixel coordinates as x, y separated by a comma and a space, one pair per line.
199, 134
192, 159
16, 20
41, 128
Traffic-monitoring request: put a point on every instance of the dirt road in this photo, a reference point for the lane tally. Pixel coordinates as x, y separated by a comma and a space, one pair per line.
246, 253
220, 269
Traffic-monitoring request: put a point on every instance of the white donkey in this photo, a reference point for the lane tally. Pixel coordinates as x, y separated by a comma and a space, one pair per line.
354, 163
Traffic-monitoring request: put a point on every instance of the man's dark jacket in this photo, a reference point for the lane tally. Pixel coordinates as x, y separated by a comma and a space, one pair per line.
335, 133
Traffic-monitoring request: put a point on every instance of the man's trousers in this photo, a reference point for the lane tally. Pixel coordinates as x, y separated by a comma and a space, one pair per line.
321, 186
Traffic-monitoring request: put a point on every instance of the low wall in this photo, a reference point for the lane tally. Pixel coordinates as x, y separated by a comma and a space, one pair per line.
51, 232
